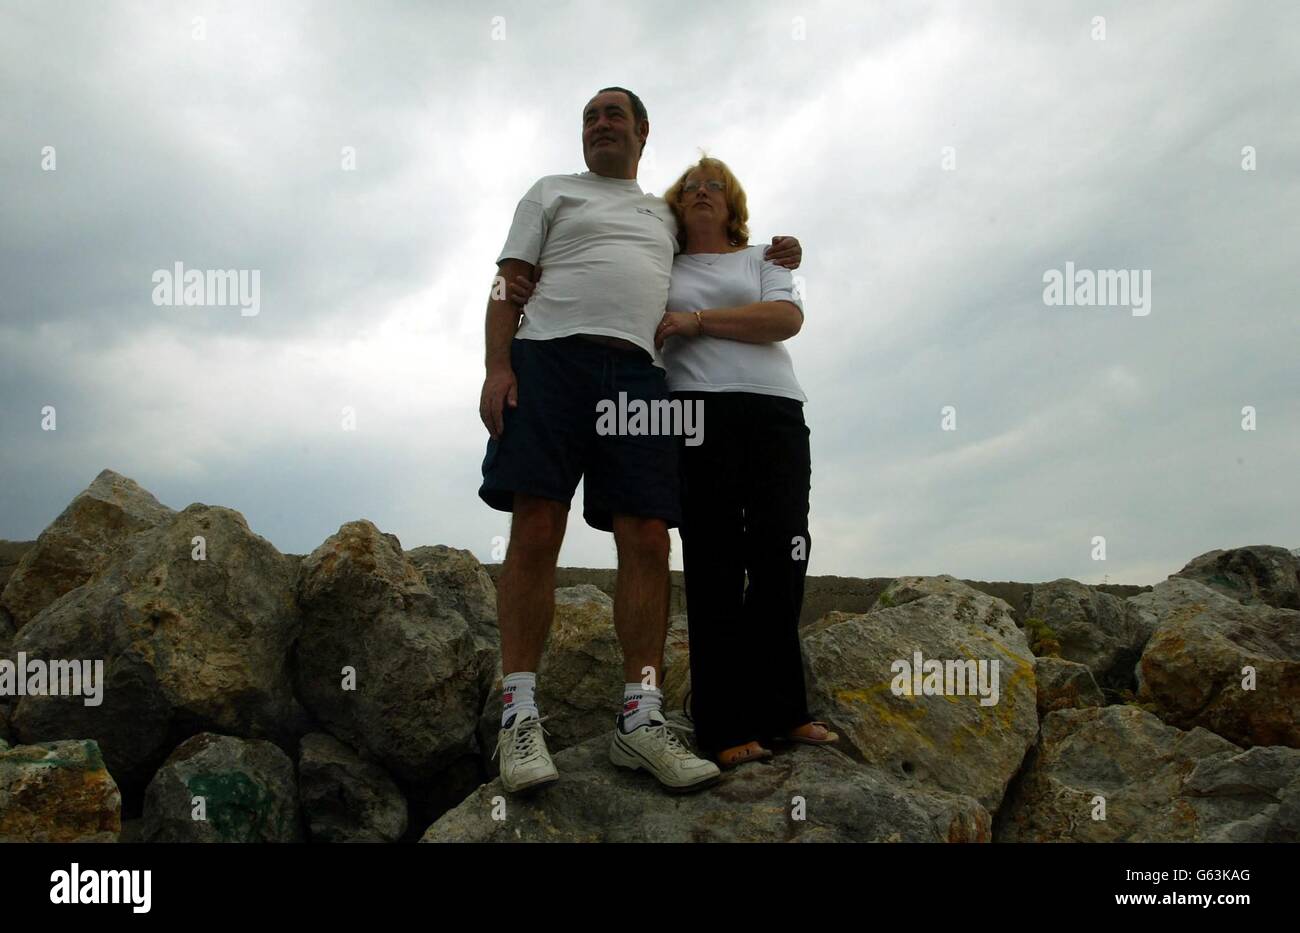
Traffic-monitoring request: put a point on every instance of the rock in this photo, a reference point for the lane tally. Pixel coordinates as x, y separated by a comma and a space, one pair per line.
580, 678
6, 651
11, 552
596, 802
1262, 784
1256, 574
677, 665
1159, 784
1093, 628
903, 590
81, 541
346, 798
1065, 685
187, 645
419, 680
952, 742
6, 633
1191, 670
4, 727
246, 788
57, 792
461, 584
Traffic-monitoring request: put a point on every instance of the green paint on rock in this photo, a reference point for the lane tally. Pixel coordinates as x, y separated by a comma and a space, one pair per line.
238, 808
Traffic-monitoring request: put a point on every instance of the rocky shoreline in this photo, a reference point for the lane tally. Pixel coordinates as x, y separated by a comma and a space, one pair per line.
351, 695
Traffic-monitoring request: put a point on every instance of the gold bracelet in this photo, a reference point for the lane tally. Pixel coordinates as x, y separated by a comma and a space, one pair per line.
699, 322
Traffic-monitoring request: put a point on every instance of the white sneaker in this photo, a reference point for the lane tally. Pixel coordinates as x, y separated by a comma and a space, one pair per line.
657, 749
526, 761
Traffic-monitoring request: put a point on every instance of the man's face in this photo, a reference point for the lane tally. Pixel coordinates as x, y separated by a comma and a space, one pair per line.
611, 139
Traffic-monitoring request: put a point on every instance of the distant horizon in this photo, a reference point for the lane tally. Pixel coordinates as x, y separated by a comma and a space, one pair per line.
612, 567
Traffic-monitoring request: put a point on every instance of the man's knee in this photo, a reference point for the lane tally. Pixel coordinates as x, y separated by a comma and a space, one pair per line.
644, 538
538, 525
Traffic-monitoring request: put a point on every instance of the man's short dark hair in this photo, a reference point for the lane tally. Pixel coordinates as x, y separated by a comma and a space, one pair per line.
638, 108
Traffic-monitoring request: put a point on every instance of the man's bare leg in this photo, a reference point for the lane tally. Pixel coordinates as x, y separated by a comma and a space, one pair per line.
525, 608
641, 595
526, 590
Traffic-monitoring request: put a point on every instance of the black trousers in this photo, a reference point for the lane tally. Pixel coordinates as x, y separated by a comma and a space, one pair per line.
745, 515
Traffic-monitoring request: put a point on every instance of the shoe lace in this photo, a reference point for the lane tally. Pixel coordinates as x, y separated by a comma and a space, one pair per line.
524, 734
667, 731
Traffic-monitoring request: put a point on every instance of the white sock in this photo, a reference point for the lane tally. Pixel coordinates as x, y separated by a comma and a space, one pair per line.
638, 703
517, 696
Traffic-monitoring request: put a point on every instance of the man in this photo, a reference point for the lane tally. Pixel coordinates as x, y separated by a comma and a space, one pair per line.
587, 335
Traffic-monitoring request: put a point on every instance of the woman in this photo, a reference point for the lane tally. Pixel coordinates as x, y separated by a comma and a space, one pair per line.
745, 488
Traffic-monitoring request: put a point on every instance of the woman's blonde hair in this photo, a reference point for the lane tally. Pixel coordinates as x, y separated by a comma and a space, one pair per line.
737, 208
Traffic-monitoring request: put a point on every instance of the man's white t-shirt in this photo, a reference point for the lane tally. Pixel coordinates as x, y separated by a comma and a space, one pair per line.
701, 281
606, 251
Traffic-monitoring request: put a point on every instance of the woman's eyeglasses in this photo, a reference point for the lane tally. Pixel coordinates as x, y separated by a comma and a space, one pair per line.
713, 185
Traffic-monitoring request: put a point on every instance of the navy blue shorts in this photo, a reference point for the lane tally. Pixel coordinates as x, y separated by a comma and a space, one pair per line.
550, 440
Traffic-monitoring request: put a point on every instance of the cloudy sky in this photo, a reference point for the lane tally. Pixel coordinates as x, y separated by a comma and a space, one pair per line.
935, 160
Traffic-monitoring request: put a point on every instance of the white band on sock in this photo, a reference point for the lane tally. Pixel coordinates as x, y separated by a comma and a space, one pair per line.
638, 703
518, 696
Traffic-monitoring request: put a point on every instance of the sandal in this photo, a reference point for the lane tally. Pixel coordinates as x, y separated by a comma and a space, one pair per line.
737, 755
830, 738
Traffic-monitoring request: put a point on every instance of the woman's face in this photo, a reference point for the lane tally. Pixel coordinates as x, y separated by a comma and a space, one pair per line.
699, 199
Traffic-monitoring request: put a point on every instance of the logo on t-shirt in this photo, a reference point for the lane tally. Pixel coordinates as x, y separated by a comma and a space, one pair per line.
646, 210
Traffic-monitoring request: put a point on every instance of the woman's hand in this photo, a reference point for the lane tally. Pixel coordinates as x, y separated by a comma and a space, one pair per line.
676, 324
521, 288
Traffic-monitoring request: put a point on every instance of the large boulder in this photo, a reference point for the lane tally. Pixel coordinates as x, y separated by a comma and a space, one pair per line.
385, 666
80, 542
57, 792
460, 583
1192, 670
1093, 628
346, 798
219, 788
838, 800
1256, 793
1252, 575
187, 645
1157, 783
959, 742
902, 590
1065, 685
